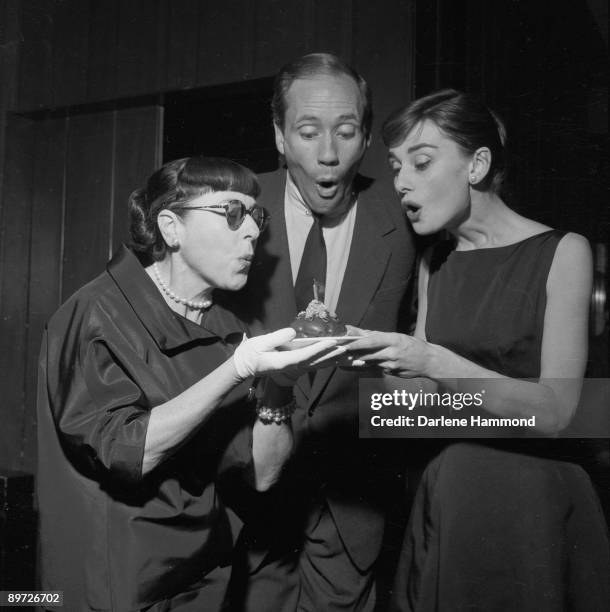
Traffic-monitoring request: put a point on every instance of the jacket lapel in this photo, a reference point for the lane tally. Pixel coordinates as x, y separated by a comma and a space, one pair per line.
366, 265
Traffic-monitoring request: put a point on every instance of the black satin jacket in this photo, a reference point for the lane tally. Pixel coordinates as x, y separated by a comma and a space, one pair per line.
111, 538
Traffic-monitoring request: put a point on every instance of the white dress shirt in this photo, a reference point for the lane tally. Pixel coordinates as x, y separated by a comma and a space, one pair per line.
337, 237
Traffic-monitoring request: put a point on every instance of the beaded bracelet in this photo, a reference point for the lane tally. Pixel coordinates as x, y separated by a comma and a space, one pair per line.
278, 415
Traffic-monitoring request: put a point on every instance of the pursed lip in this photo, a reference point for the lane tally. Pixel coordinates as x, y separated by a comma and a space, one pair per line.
246, 259
412, 209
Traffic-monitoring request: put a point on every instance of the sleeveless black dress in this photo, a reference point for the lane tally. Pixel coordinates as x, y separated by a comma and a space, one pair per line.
504, 525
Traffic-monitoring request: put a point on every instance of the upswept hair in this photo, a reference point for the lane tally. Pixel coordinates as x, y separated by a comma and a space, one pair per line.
312, 65
462, 117
177, 182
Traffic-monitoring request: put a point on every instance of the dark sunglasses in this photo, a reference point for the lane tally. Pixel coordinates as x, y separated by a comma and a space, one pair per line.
235, 212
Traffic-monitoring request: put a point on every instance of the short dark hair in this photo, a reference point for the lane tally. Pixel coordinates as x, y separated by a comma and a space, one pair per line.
462, 117
180, 181
315, 64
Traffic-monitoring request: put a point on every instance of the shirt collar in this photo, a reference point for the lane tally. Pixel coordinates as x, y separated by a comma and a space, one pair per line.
167, 328
294, 199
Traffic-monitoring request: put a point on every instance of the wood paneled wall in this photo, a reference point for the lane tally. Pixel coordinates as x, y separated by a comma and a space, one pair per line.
9, 56
66, 185
13, 226
71, 163
79, 51
14, 289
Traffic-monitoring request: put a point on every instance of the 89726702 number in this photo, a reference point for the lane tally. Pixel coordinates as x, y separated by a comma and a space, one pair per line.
48, 599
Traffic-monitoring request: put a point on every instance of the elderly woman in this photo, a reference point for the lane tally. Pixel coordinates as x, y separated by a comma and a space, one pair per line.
496, 525
144, 409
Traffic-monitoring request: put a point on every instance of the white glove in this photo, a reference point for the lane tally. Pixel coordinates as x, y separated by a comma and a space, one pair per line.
255, 356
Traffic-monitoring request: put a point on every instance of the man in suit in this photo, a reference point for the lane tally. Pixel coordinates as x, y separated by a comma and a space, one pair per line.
321, 531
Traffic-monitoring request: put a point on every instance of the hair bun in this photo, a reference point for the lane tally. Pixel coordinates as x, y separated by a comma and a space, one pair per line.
140, 233
138, 198
499, 126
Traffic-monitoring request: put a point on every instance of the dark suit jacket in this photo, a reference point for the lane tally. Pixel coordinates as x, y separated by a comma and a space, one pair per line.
353, 472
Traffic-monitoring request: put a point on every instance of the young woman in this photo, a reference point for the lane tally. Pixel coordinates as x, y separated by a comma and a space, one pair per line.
496, 525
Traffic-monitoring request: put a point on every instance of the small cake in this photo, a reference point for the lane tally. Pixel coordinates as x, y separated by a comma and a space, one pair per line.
316, 321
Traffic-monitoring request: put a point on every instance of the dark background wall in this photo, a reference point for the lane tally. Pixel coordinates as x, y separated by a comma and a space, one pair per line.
544, 67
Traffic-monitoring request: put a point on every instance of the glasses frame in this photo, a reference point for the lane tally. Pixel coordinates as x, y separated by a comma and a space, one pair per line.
215, 208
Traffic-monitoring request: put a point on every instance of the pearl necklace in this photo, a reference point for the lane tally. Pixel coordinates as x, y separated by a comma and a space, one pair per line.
188, 303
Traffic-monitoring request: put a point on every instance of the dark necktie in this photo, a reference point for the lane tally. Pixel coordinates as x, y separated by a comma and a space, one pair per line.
312, 267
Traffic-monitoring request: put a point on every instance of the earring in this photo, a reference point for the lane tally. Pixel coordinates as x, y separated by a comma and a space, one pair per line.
472, 178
